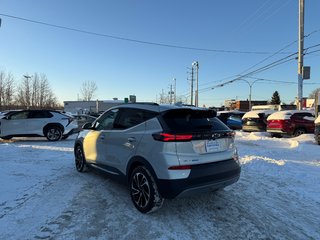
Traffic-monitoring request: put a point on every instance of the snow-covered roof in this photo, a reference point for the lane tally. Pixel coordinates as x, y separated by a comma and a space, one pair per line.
230, 111
254, 114
283, 115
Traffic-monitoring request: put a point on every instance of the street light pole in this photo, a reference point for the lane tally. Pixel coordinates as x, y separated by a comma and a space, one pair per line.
250, 89
250, 86
196, 100
27, 91
175, 90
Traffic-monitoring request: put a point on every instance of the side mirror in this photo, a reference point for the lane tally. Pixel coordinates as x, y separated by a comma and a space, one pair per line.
87, 125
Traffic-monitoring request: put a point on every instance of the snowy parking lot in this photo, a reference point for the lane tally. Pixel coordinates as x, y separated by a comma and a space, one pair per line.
42, 196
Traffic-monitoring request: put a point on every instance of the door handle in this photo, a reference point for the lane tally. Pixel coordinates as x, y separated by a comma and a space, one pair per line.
131, 139
102, 137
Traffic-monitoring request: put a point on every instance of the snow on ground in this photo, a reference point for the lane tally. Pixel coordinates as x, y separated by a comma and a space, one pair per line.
42, 196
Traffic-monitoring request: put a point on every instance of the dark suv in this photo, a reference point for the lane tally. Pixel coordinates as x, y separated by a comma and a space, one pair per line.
290, 123
256, 120
233, 119
160, 151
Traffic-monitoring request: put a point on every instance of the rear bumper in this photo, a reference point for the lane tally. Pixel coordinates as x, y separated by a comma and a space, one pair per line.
72, 131
253, 128
279, 131
275, 130
202, 178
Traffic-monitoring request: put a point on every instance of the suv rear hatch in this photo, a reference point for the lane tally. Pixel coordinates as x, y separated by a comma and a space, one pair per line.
279, 124
199, 136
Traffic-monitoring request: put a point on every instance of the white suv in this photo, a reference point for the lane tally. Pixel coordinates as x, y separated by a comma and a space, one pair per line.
161, 151
51, 124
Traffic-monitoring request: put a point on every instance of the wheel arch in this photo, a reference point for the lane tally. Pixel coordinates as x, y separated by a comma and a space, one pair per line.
59, 125
77, 143
299, 127
139, 161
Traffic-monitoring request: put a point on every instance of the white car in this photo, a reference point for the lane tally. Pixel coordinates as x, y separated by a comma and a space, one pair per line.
48, 123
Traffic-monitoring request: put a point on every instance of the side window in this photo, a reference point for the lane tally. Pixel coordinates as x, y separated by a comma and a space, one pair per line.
106, 121
129, 117
148, 115
19, 115
40, 114
302, 116
309, 117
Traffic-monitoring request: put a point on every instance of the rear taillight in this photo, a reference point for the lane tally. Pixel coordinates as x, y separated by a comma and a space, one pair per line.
280, 122
168, 137
70, 119
182, 167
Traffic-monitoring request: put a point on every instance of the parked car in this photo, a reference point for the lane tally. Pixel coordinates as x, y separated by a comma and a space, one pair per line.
290, 123
51, 124
160, 151
81, 119
233, 119
317, 130
255, 121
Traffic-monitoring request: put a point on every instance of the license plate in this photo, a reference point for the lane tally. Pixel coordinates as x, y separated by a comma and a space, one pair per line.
213, 146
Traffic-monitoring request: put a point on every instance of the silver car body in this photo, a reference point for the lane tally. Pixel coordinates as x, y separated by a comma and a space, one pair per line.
114, 150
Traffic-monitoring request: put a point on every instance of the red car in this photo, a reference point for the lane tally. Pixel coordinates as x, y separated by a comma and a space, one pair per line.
290, 123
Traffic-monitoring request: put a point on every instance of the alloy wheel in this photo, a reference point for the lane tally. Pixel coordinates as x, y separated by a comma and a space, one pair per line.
140, 189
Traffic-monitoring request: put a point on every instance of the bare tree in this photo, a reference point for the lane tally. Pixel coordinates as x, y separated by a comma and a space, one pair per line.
23, 97
6, 90
35, 92
87, 90
314, 92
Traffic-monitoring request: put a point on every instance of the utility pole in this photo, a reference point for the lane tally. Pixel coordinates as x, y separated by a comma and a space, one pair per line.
196, 100
300, 53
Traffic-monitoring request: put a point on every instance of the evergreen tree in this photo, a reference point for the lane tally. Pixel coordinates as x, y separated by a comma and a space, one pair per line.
275, 98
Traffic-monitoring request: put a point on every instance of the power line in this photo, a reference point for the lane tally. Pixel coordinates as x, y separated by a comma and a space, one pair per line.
265, 59
136, 40
271, 65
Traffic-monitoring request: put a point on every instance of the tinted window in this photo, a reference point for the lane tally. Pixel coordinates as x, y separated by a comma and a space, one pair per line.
188, 120
40, 114
302, 116
19, 115
106, 121
130, 117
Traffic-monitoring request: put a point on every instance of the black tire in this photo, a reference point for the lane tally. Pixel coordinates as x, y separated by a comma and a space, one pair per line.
53, 133
275, 135
65, 137
80, 161
6, 138
144, 191
299, 131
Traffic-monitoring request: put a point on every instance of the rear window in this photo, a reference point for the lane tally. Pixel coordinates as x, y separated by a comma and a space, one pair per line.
189, 120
